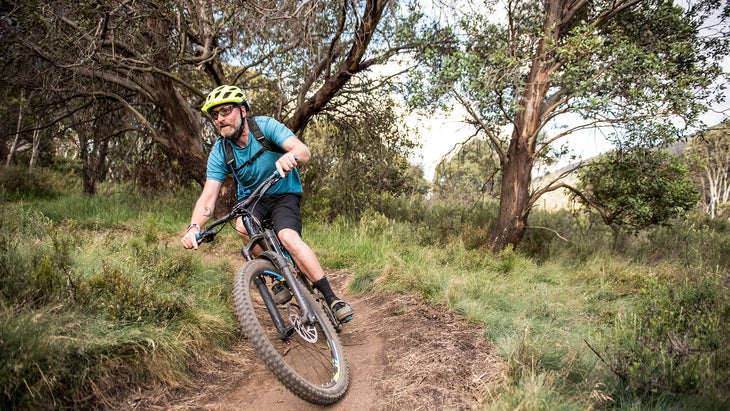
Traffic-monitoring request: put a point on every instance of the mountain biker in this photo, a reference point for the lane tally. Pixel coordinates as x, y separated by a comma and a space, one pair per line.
228, 108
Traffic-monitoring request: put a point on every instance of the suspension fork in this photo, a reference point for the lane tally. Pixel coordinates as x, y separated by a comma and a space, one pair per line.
277, 256
281, 328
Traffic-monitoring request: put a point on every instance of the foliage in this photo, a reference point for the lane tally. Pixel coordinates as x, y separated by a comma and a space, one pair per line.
439, 222
698, 241
112, 72
676, 341
540, 314
470, 174
82, 306
660, 299
547, 62
636, 189
358, 159
21, 183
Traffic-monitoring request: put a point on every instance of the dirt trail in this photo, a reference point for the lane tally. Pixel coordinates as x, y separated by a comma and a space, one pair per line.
403, 354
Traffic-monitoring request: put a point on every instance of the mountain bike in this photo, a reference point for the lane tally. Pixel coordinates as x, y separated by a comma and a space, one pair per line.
291, 327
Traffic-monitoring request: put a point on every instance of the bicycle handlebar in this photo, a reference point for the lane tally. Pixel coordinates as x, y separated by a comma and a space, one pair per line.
208, 233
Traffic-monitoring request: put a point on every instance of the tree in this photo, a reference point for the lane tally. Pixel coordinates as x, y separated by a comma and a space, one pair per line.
636, 189
358, 158
709, 154
158, 59
636, 67
470, 174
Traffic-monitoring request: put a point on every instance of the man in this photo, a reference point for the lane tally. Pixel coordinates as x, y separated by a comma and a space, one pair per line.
228, 108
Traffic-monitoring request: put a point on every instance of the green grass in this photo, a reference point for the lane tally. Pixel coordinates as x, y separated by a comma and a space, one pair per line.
546, 318
93, 294
98, 288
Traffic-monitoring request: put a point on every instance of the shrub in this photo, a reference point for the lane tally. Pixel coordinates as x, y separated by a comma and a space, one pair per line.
700, 242
677, 341
21, 183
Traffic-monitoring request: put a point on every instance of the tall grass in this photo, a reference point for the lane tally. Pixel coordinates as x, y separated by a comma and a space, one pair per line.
95, 289
93, 300
582, 321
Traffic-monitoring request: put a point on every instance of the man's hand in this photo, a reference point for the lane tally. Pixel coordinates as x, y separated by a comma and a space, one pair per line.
286, 163
189, 240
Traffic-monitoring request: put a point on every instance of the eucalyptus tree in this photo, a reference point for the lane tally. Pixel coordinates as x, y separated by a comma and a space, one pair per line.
709, 156
636, 69
159, 59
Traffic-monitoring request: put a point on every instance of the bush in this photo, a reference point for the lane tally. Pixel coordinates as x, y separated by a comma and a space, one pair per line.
677, 341
699, 242
21, 183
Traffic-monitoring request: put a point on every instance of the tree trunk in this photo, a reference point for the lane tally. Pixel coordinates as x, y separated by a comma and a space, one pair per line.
514, 204
182, 125
515, 201
88, 174
14, 146
34, 153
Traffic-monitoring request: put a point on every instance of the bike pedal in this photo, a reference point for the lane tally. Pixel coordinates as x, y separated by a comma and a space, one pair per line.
282, 295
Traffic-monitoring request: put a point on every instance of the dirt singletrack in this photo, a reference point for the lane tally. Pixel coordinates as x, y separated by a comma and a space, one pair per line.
403, 354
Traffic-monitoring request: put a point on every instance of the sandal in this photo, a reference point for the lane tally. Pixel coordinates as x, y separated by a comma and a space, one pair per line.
342, 310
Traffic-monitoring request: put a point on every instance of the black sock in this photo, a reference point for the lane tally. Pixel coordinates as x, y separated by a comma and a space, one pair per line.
323, 285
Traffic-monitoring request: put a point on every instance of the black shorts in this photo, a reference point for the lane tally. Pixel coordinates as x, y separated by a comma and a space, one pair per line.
282, 209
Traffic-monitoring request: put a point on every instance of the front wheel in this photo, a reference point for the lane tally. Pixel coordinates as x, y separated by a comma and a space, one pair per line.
310, 362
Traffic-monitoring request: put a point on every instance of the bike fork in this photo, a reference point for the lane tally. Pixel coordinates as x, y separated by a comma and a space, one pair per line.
281, 328
307, 314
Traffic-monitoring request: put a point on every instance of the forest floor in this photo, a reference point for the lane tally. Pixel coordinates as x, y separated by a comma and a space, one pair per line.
403, 354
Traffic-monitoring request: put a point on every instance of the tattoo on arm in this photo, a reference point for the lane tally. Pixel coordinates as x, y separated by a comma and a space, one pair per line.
208, 213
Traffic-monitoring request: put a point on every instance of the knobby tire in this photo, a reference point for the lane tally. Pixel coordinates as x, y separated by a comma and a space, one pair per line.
314, 371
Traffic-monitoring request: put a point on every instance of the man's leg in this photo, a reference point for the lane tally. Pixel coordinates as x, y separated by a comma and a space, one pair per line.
308, 264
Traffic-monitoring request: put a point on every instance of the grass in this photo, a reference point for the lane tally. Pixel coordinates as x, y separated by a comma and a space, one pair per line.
93, 295
97, 288
558, 321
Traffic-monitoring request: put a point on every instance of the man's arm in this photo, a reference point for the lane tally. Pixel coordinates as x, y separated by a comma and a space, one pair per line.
202, 212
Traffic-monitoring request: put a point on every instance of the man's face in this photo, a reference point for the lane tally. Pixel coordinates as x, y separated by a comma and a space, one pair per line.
227, 119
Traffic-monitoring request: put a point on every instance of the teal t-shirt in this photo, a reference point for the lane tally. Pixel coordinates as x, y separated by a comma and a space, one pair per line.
254, 174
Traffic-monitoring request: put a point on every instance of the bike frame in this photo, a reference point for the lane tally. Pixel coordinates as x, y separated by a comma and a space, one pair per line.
272, 251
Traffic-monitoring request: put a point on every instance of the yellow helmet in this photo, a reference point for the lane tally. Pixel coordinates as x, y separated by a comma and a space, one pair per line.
225, 94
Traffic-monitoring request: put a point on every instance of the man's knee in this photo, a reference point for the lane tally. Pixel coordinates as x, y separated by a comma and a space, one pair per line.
290, 238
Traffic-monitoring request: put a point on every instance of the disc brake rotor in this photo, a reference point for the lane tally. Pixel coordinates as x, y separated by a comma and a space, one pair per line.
307, 332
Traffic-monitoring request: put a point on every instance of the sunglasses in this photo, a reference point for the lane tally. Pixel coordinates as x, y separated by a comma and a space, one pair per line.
223, 111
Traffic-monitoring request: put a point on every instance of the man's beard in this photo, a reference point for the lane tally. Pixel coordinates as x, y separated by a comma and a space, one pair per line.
231, 131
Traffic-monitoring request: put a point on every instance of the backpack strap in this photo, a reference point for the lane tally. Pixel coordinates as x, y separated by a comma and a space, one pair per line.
228, 156
230, 159
254, 127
